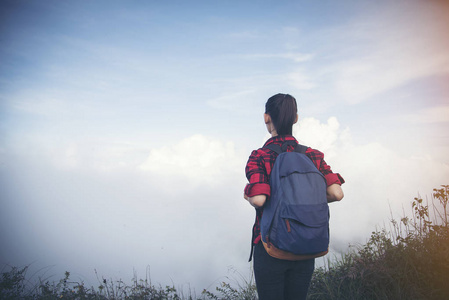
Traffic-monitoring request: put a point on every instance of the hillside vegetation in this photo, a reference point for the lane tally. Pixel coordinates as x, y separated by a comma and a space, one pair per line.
409, 260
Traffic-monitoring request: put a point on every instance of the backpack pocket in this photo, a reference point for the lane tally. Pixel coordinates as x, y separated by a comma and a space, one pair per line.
305, 228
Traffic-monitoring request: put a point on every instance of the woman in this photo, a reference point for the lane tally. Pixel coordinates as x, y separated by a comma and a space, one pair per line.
276, 278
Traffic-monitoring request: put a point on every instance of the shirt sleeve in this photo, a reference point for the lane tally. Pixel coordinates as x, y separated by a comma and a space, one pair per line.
318, 159
257, 176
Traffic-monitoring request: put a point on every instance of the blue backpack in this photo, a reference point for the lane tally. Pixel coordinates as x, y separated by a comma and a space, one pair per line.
295, 220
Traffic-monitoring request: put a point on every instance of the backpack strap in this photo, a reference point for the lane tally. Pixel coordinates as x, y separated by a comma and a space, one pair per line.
279, 149
301, 148
275, 148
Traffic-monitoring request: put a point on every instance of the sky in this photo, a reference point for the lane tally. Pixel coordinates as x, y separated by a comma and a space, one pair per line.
125, 127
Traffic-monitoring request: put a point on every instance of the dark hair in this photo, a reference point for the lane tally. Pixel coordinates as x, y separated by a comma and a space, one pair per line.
282, 110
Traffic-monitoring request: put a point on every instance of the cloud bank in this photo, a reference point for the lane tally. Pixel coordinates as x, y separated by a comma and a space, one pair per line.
178, 208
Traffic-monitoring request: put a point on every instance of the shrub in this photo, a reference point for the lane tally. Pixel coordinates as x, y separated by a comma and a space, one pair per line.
13, 286
409, 262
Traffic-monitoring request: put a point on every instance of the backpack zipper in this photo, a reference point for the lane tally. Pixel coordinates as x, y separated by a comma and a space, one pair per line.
288, 225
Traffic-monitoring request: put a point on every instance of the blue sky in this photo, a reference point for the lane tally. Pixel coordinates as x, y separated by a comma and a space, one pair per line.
125, 127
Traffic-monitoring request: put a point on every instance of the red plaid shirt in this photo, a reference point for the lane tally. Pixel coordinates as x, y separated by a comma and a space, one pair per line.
258, 170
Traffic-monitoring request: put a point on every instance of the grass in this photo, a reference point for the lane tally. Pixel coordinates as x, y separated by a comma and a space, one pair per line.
15, 284
409, 260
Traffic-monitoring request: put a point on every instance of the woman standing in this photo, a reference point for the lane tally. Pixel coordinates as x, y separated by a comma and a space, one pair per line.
278, 279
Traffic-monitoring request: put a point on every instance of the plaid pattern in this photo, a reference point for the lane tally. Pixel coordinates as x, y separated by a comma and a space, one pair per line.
258, 170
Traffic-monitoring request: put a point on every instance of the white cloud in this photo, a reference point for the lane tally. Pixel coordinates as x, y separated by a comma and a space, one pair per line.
388, 49
360, 79
300, 81
150, 199
233, 100
438, 114
198, 159
325, 137
297, 57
